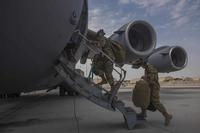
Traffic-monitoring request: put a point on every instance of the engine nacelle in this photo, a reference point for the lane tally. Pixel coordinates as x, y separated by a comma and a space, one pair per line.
138, 38
169, 58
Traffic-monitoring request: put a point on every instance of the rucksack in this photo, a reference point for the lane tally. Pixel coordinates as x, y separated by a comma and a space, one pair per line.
118, 51
141, 94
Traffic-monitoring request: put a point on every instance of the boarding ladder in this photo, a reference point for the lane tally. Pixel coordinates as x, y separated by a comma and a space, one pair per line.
94, 92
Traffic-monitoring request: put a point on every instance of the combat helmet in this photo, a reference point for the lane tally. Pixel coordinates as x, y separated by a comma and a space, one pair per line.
100, 33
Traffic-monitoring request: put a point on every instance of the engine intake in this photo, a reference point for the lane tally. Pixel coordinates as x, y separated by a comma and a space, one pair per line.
169, 58
138, 38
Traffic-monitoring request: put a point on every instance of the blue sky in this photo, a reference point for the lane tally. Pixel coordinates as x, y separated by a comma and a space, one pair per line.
177, 22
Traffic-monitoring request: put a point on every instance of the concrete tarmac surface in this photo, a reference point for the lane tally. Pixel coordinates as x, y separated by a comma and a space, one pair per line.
50, 113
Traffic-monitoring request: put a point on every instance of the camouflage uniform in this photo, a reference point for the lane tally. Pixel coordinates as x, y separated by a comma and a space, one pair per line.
151, 76
102, 66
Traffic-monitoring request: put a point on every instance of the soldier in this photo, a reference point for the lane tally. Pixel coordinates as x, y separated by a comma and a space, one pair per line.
101, 65
151, 76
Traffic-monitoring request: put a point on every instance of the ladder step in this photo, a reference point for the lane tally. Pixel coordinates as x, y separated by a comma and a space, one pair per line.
129, 114
95, 94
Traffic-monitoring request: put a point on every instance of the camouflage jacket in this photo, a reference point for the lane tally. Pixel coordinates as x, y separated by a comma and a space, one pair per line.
106, 47
151, 74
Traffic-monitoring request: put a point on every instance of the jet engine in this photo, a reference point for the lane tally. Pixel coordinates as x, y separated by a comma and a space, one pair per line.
169, 58
138, 38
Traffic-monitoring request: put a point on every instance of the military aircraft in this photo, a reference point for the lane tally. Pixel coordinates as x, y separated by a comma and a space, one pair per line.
34, 34
41, 42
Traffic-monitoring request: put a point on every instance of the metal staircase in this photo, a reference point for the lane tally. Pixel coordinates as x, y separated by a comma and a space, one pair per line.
95, 93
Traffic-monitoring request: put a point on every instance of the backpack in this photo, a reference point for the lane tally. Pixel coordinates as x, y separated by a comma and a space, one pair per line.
118, 52
141, 94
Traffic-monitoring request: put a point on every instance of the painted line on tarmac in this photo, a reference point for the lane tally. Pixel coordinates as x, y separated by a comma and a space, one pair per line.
165, 87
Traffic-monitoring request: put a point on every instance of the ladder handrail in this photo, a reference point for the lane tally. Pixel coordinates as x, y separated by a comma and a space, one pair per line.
107, 56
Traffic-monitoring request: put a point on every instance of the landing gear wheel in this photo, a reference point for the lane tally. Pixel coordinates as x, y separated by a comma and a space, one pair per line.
64, 87
17, 94
10, 95
70, 93
76, 93
62, 91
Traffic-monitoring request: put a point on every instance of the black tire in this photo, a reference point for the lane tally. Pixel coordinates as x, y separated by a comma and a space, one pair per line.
70, 93
76, 93
17, 94
67, 89
62, 91
64, 87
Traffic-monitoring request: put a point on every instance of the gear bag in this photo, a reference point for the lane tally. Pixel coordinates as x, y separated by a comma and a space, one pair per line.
118, 52
141, 94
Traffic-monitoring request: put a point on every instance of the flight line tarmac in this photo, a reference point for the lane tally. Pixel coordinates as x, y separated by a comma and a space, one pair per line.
48, 112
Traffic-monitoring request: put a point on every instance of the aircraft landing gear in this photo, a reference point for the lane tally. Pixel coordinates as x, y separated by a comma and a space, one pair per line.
66, 88
62, 91
10, 95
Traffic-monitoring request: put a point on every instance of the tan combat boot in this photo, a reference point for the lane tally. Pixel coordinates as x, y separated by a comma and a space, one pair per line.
168, 118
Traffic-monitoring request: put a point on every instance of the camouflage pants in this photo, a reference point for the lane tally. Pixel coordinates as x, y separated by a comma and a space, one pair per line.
155, 97
103, 68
